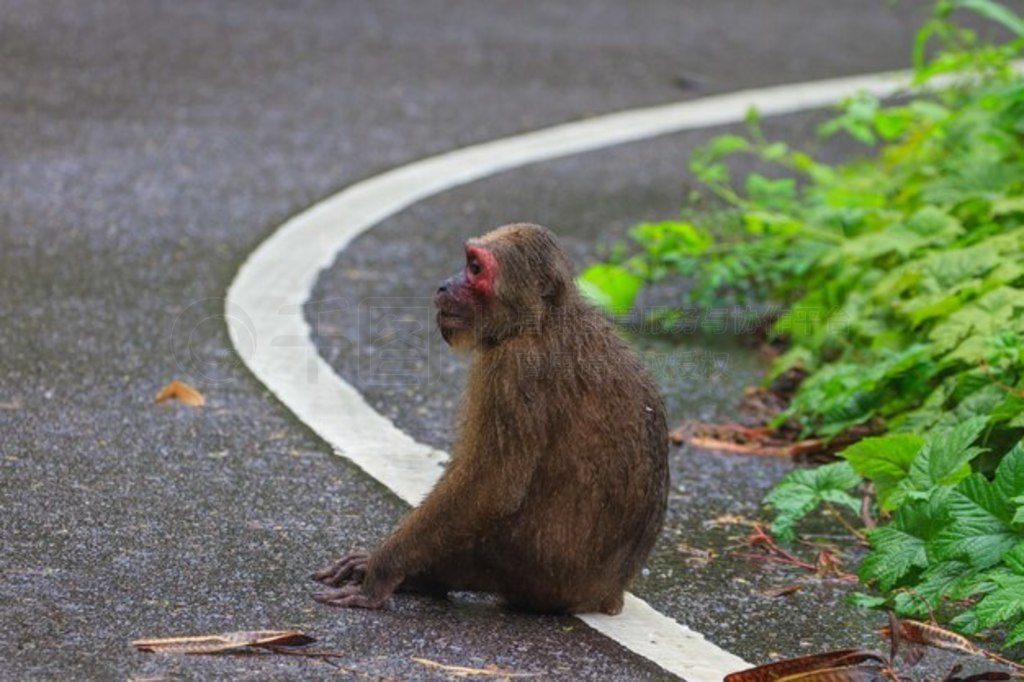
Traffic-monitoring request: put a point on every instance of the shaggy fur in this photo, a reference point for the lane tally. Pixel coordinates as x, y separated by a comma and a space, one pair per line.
558, 482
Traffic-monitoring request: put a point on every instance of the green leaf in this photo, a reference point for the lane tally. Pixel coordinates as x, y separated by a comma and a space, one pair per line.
1015, 636
803, 490
987, 316
611, 287
935, 225
1014, 559
979, 532
1018, 516
1010, 410
895, 553
891, 123
724, 145
876, 244
944, 458
1003, 604
901, 547
775, 151
753, 117
1009, 479
994, 11
770, 193
866, 601
885, 460
1008, 205
671, 239
942, 461
941, 581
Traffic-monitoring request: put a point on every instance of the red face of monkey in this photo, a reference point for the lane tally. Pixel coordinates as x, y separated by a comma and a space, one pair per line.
463, 298
515, 278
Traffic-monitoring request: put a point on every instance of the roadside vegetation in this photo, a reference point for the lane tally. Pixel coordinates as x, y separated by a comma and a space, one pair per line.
901, 275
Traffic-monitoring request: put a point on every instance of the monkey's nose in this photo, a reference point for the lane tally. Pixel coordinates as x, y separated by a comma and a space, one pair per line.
443, 288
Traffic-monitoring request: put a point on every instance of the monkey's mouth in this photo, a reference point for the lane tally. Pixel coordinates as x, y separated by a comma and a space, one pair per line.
449, 320
450, 323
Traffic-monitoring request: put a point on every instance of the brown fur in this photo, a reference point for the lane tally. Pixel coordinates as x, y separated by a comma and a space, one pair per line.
558, 482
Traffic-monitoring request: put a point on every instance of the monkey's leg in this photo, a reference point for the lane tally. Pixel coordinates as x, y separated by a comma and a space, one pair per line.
461, 572
351, 568
439, 527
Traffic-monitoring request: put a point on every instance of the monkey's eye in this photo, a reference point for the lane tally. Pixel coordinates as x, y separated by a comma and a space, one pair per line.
474, 267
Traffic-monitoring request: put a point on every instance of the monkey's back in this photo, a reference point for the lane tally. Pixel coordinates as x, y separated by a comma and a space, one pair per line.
597, 497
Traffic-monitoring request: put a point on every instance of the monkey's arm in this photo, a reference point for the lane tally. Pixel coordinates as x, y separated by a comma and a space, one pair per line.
472, 494
504, 432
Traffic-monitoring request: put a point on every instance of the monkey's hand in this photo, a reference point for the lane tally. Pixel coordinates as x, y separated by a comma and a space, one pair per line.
369, 595
350, 569
349, 596
354, 589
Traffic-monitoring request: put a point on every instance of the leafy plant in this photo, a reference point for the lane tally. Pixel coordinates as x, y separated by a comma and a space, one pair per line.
954, 542
804, 490
902, 273
954, 535
902, 277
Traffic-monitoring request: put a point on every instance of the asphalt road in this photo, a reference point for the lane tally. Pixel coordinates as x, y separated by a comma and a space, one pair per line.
146, 148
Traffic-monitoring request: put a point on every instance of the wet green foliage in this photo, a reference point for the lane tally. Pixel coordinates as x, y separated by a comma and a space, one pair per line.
955, 541
902, 278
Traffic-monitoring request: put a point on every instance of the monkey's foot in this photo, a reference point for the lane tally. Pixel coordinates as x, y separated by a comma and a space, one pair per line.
350, 596
351, 568
612, 605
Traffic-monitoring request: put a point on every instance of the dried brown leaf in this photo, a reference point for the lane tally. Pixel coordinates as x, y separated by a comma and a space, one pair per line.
226, 641
730, 520
931, 635
696, 556
776, 592
855, 673
462, 671
740, 448
179, 390
785, 670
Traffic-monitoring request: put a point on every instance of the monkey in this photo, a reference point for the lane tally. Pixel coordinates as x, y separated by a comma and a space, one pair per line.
558, 482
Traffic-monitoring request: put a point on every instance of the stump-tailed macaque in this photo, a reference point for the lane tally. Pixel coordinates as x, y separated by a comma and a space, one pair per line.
558, 481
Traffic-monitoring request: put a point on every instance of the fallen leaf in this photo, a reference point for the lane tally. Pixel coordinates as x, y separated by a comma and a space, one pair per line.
776, 592
814, 667
764, 441
227, 641
846, 673
755, 449
461, 671
929, 635
696, 555
729, 520
179, 390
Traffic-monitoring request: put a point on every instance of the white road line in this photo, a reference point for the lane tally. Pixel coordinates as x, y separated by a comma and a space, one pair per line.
270, 333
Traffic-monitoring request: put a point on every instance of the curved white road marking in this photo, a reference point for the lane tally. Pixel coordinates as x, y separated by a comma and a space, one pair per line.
270, 333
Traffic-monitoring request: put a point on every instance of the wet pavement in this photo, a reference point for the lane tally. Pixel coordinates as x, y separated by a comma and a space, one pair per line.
146, 148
